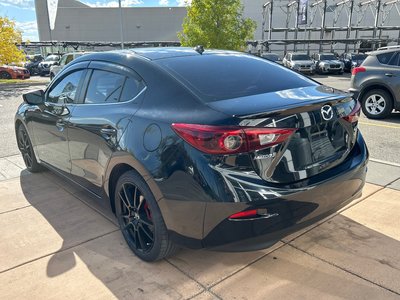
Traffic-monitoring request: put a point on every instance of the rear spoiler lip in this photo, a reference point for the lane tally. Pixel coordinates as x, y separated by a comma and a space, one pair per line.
308, 106
280, 102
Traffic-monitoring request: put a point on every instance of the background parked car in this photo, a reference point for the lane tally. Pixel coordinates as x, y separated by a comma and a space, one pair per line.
272, 57
352, 60
301, 62
326, 63
13, 72
50, 60
32, 63
65, 59
376, 83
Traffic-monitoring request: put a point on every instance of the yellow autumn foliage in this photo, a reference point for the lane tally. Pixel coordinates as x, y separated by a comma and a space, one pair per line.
9, 37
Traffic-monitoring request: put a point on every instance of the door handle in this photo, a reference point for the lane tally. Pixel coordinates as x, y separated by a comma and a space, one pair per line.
108, 133
389, 75
60, 124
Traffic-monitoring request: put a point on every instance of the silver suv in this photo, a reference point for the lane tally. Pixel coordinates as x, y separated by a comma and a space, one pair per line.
376, 83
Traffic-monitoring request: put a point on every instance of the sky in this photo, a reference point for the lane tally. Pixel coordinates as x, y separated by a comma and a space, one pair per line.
23, 11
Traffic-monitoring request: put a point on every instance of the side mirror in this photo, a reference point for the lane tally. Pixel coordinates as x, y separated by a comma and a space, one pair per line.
34, 98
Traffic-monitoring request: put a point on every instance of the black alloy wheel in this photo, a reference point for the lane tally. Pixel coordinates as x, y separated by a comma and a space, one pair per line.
25, 146
140, 219
5, 75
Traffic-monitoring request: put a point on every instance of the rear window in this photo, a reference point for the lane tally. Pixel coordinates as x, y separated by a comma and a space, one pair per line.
226, 76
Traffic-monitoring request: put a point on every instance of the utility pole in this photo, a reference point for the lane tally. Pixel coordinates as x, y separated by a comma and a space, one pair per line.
322, 26
121, 24
270, 19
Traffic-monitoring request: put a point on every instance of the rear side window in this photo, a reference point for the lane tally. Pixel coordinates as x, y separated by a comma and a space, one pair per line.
109, 87
131, 88
220, 76
384, 58
394, 61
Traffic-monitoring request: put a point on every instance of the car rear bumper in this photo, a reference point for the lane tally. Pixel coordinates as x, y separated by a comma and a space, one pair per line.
288, 210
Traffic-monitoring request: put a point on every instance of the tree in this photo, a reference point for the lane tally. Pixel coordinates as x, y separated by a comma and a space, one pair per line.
216, 24
9, 37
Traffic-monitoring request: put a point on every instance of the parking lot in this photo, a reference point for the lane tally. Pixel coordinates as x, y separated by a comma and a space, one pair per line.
58, 243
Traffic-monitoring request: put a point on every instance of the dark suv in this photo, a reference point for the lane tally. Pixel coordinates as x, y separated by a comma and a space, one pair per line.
376, 83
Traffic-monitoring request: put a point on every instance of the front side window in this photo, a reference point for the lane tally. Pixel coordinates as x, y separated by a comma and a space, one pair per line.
65, 90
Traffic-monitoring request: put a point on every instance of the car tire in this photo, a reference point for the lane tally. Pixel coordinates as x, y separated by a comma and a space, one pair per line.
5, 75
377, 104
140, 219
26, 149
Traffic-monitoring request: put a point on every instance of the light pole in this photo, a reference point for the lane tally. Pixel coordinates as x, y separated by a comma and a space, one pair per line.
121, 24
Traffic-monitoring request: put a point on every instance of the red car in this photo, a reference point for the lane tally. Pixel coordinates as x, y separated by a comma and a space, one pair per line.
11, 72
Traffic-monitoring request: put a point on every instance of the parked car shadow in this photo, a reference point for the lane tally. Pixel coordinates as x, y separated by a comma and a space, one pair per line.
91, 238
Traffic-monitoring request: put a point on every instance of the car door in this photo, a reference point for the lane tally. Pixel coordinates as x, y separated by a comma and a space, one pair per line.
50, 119
112, 95
391, 74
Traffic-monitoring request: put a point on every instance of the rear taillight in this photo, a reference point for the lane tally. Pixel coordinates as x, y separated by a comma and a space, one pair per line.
358, 70
355, 114
230, 139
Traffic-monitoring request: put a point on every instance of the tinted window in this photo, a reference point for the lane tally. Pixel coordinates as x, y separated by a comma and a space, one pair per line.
301, 57
384, 58
104, 87
359, 56
63, 59
69, 58
65, 90
220, 76
131, 88
327, 57
394, 61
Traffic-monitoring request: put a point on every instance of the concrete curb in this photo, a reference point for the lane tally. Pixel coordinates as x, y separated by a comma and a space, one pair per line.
22, 85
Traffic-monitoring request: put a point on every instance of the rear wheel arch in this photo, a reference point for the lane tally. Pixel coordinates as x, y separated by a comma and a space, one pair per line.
122, 164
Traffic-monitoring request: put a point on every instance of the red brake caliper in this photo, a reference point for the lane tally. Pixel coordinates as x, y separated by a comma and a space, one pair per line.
147, 210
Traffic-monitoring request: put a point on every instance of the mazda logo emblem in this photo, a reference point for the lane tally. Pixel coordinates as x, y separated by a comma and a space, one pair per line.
327, 112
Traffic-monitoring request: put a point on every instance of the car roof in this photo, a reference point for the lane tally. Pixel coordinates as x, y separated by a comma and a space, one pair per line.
155, 53
151, 54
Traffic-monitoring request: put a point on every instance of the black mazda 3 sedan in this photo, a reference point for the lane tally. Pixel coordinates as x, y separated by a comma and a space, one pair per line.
212, 149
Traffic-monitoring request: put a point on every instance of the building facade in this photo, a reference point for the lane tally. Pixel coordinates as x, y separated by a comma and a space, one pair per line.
79, 22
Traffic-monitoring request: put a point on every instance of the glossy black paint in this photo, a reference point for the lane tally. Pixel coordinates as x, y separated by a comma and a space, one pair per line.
93, 144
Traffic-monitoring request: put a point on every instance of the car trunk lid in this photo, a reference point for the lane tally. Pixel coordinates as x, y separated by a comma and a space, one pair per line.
324, 134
